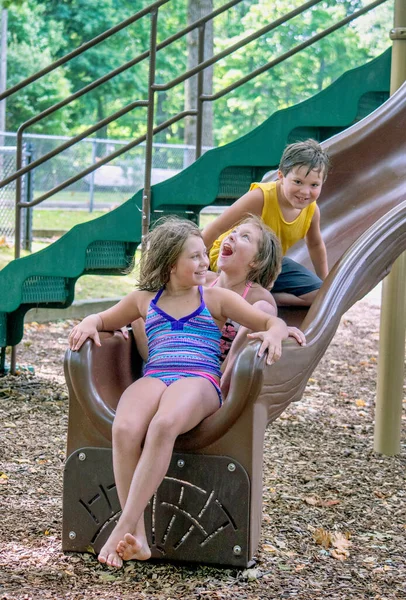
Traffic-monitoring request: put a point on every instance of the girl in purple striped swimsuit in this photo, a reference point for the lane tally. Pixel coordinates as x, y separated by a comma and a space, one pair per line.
180, 386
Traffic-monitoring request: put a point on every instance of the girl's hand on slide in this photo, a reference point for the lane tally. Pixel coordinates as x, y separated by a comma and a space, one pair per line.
298, 335
80, 334
269, 344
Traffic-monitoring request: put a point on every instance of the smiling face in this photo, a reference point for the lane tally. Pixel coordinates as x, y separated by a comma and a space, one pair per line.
240, 248
299, 188
192, 264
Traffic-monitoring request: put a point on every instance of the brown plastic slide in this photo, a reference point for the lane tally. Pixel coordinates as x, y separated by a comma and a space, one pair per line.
208, 508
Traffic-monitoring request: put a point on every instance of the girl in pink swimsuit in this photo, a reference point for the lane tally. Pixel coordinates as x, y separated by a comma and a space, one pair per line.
173, 396
249, 262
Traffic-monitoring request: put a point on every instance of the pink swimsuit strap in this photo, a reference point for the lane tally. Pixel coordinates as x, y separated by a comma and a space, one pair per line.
248, 286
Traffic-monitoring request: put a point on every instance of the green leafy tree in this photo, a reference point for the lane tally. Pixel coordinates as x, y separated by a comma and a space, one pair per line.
300, 76
29, 51
44, 30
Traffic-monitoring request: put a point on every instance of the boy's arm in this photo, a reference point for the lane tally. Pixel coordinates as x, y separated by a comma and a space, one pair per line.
316, 247
251, 203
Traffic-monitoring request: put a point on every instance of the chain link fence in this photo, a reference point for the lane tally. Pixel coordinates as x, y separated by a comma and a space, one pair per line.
104, 189
109, 185
7, 195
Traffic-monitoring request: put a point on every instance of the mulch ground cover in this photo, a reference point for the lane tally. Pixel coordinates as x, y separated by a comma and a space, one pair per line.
334, 522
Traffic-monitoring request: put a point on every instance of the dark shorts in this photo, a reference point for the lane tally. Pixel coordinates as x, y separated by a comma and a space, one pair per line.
295, 279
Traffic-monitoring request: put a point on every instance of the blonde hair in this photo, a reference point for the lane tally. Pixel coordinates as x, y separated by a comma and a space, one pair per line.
268, 261
163, 246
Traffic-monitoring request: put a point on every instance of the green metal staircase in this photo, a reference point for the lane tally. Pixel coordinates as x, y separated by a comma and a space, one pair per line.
107, 245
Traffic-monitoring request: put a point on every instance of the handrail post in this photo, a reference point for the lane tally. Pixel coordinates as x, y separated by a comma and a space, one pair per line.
388, 417
19, 164
200, 101
29, 195
91, 186
17, 231
146, 196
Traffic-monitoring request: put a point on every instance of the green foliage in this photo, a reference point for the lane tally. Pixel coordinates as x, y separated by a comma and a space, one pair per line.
40, 31
5, 4
30, 50
300, 76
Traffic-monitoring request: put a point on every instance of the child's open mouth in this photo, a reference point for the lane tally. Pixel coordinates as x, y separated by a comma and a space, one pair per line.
226, 250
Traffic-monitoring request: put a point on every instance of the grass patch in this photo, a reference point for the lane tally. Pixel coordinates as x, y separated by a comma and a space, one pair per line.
7, 252
104, 286
110, 197
88, 286
58, 219
62, 219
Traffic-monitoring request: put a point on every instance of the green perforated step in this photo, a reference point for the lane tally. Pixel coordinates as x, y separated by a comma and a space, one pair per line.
109, 257
235, 181
42, 290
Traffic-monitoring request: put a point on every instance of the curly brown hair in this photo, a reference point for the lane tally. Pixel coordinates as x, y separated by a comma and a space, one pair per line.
163, 246
268, 261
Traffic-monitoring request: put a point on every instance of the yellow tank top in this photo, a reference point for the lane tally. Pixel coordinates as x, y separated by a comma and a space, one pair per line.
288, 233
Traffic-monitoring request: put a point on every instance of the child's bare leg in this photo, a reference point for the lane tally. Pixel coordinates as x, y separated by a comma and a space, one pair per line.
182, 406
285, 299
134, 412
239, 340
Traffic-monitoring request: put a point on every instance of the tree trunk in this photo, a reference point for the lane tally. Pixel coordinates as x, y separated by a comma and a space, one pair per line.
196, 10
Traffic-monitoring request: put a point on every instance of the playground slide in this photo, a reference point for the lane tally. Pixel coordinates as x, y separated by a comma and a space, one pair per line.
364, 224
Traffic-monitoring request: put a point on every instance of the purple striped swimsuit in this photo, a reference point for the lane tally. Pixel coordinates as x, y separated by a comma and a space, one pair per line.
186, 347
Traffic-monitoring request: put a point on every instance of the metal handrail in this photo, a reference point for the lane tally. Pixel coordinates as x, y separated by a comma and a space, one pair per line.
99, 82
293, 51
152, 10
243, 42
70, 142
108, 158
93, 42
154, 47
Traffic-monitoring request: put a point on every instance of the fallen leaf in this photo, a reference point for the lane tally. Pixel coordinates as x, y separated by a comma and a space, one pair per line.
269, 548
337, 555
380, 494
251, 574
315, 501
341, 544
322, 537
108, 577
329, 502
312, 500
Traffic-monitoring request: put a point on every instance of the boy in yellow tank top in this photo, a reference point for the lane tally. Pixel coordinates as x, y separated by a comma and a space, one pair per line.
289, 207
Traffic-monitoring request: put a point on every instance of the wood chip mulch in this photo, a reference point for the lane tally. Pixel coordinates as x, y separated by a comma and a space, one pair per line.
334, 523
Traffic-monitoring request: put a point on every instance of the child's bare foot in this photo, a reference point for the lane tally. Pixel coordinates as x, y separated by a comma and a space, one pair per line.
110, 557
132, 548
